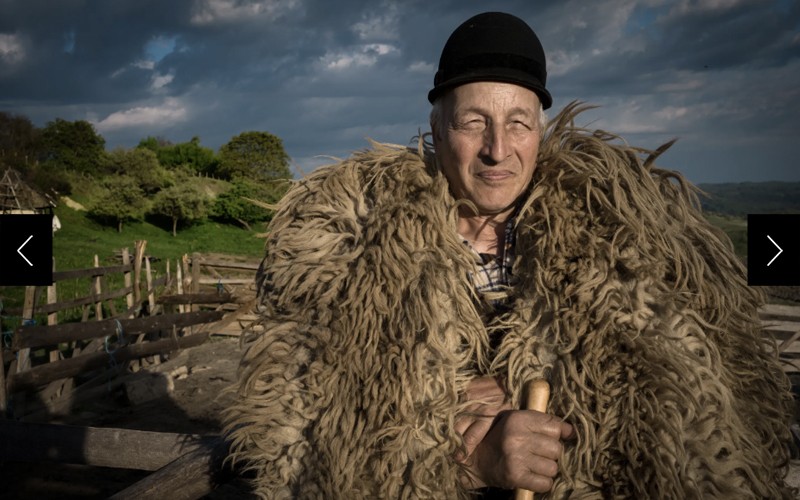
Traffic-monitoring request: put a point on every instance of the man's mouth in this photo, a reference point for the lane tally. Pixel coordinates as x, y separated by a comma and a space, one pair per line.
494, 175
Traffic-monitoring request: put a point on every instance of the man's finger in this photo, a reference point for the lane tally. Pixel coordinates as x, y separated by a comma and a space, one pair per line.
538, 422
568, 431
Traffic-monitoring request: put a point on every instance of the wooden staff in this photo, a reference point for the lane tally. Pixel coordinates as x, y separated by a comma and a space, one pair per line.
537, 392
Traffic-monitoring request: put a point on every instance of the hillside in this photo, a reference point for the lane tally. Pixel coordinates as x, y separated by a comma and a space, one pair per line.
744, 198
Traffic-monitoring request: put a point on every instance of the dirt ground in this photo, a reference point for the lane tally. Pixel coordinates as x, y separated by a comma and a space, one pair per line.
194, 406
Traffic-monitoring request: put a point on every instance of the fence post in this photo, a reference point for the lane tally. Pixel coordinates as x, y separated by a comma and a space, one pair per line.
179, 284
126, 259
23, 355
137, 268
187, 277
195, 277
52, 318
98, 306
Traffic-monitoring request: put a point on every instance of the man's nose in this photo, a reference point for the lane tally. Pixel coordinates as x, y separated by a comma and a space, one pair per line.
495, 144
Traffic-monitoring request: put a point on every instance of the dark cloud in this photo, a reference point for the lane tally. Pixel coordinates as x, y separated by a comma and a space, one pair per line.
321, 75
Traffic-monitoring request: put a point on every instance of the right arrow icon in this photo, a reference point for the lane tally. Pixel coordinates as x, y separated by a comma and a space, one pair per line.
780, 250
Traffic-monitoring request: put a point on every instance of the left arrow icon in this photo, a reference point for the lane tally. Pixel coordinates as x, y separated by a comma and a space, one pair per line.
20, 248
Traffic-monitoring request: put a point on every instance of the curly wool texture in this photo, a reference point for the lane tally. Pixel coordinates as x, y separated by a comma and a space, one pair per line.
633, 306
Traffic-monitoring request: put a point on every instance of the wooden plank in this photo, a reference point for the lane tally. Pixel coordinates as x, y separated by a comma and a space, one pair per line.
157, 282
37, 376
227, 281
187, 275
139, 246
109, 302
98, 306
81, 301
179, 275
191, 477
151, 305
54, 387
230, 318
151, 298
229, 264
23, 355
781, 329
38, 336
196, 298
779, 312
126, 260
214, 273
195, 277
92, 271
100, 447
52, 318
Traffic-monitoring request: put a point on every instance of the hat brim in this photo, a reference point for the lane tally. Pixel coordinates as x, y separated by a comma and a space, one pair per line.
505, 75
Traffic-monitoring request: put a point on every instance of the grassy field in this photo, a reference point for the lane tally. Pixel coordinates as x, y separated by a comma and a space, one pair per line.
734, 227
81, 238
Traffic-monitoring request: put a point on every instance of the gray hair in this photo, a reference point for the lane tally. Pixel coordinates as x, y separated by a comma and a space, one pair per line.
437, 116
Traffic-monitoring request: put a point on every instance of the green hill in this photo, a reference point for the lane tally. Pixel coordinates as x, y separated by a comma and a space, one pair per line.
744, 198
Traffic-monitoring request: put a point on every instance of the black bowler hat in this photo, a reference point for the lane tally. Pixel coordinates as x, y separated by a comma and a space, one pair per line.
493, 46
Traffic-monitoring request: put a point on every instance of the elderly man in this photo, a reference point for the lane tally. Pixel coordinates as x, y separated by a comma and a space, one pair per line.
411, 293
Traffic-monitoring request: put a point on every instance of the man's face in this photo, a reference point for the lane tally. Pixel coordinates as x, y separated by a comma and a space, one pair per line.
488, 142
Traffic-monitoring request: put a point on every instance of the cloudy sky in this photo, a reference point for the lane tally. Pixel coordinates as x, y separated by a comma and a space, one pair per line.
723, 75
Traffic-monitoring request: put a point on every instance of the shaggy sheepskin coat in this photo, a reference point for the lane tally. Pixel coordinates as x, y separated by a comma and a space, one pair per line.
634, 308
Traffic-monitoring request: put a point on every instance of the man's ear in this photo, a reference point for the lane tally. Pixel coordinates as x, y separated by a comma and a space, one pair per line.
435, 135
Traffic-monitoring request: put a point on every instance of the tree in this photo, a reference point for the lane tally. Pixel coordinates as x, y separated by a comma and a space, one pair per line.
187, 154
73, 145
122, 201
184, 203
20, 142
231, 205
150, 143
256, 155
140, 164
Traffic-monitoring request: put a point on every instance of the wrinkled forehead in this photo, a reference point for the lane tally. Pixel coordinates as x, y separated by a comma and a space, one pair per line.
491, 97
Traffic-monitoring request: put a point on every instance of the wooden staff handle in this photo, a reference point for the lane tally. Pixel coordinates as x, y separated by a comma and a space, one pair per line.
537, 392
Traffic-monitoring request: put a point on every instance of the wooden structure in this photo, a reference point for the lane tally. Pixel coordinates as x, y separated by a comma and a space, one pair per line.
39, 387
18, 197
783, 322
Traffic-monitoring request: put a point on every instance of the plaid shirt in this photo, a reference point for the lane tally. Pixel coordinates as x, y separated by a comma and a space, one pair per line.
494, 271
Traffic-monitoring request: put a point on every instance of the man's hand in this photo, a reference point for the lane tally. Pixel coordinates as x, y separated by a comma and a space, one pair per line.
505, 448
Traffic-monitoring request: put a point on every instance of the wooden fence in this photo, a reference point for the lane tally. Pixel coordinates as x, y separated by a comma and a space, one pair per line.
39, 387
783, 322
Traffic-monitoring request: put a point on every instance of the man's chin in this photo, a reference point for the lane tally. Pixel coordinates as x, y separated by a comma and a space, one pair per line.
493, 209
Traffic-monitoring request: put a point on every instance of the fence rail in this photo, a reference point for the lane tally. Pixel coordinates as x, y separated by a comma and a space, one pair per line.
153, 324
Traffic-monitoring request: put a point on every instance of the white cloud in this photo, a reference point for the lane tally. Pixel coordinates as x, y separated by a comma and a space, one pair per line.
11, 50
228, 11
671, 112
680, 86
559, 62
363, 55
161, 80
685, 7
170, 113
149, 65
422, 67
378, 27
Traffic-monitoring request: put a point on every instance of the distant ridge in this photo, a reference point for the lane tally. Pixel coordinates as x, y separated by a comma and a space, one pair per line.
742, 198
